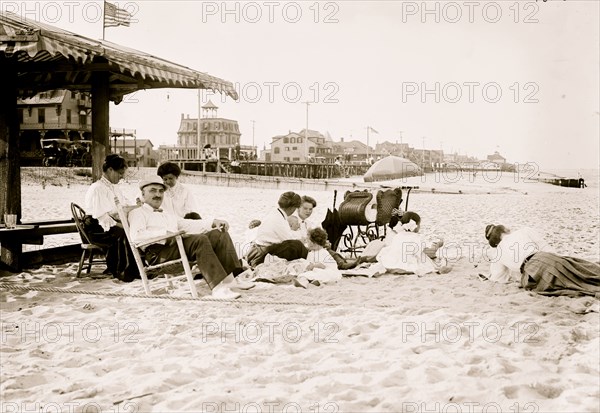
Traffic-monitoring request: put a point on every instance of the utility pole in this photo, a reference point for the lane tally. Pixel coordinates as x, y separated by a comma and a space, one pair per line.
423, 156
401, 148
253, 122
306, 133
441, 153
199, 146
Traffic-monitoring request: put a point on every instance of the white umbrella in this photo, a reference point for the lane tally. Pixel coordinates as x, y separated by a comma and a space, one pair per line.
391, 167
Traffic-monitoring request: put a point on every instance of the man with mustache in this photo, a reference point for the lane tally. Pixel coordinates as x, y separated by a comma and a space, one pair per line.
207, 241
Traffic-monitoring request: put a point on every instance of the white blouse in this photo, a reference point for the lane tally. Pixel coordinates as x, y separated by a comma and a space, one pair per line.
100, 201
305, 226
512, 251
179, 200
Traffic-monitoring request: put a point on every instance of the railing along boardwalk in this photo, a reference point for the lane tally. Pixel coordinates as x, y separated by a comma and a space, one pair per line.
281, 169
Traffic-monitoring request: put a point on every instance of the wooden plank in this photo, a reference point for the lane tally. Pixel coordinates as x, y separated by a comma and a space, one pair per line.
22, 235
55, 229
32, 240
52, 256
49, 222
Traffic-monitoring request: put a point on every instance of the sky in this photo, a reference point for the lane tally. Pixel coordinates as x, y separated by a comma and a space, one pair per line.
521, 78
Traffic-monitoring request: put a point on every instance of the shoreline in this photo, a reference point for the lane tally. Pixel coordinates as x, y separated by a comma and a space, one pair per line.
440, 183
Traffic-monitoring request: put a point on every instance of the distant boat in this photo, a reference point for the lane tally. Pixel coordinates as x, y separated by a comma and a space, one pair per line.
567, 182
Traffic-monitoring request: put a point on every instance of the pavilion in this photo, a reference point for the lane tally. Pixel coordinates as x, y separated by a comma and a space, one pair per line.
35, 57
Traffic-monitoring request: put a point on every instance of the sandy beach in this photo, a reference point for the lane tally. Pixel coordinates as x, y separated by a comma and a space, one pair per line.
443, 343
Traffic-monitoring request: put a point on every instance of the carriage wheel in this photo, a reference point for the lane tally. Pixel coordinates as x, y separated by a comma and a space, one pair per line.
360, 241
348, 237
372, 232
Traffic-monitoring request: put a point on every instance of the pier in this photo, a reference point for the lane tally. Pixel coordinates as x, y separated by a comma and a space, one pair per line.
282, 169
567, 182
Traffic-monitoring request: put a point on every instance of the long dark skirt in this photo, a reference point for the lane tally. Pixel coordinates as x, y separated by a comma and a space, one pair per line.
120, 261
550, 274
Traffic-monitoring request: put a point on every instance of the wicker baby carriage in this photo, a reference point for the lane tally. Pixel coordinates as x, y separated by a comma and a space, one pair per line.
367, 214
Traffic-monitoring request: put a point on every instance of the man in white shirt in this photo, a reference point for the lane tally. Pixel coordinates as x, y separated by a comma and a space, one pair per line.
208, 242
178, 199
274, 235
107, 231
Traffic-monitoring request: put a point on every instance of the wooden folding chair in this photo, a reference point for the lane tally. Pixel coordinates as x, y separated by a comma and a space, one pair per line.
145, 268
87, 246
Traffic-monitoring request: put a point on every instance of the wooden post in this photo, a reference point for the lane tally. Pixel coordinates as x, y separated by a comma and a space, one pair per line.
100, 124
10, 165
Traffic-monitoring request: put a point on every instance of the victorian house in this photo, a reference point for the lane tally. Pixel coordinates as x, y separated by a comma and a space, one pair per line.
55, 114
220, 135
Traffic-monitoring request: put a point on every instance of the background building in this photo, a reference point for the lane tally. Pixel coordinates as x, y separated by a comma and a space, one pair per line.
223, 136
294, 147
55, 114
137, 152
496, 158
352, 151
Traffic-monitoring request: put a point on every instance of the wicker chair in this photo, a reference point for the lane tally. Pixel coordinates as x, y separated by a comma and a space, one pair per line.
387, 201
88, 248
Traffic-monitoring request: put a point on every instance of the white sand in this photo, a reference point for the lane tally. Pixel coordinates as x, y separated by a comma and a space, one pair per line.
395, 343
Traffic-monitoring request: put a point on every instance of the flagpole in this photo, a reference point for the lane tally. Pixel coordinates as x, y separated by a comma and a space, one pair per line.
103, 18
306, 146
200, 154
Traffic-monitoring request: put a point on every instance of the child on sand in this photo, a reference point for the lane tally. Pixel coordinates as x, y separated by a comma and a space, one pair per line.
403, 250
409, 252
294, 222
411, 221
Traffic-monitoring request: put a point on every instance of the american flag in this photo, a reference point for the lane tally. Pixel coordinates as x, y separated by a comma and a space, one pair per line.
114, 16
373, 130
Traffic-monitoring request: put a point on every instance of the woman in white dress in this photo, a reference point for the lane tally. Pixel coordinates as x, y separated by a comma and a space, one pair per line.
178, 199
523, 255
407, 251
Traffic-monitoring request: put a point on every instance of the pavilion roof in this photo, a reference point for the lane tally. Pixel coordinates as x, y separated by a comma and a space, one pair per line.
47, 57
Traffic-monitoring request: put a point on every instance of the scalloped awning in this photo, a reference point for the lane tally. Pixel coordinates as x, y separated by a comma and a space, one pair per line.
47, 57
